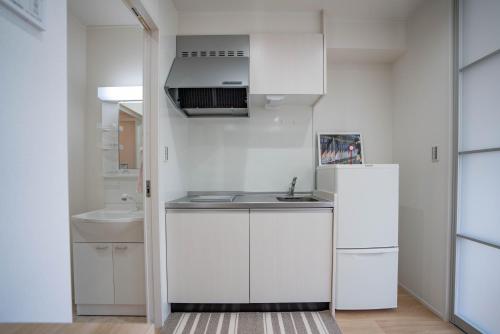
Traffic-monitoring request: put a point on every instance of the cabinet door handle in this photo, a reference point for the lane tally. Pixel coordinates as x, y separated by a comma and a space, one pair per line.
121, 247
101, 247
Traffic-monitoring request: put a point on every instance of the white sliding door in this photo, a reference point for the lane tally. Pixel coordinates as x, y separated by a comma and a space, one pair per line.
477, 246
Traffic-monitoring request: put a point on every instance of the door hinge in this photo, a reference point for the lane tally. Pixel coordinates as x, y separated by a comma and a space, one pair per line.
148, 188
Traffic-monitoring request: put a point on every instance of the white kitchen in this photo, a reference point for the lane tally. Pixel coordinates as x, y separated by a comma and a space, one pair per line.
250, 166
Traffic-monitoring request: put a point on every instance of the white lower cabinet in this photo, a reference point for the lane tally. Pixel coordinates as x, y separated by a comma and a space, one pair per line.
109, 278
290, 256
128, 269
93, 273
242, 256
207, 256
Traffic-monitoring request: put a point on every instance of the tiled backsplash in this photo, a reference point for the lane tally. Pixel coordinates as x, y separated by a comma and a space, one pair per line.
115, 187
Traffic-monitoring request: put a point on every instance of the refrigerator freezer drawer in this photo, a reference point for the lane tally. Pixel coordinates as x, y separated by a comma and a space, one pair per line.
366, 279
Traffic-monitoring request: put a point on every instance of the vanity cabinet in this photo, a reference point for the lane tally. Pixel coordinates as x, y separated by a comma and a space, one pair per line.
207, 256
287, 63
109, 273
290, 256
108, 266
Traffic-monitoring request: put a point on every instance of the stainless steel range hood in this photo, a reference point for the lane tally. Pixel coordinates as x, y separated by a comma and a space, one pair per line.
209, 76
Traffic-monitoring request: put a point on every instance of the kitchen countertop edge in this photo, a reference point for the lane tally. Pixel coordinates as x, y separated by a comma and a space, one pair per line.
259, 202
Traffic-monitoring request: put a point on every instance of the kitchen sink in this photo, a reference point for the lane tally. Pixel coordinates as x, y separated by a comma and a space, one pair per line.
296, 199
212, 198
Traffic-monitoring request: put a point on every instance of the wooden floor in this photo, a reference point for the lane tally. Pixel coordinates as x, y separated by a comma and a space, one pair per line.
108, 319
77, 328
411, 317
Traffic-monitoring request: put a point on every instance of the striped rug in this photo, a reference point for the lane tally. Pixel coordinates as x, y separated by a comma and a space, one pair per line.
251, 323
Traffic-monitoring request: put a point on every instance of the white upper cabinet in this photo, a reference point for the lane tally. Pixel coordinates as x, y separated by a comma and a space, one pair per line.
287, 64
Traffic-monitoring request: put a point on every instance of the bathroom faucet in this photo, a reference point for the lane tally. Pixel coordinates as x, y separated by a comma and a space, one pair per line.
291, 190
126, 197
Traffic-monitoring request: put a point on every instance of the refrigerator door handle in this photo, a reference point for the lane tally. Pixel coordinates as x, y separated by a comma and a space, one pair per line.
368, 251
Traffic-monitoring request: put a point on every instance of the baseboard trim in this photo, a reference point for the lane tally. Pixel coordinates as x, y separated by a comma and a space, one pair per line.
423, 302
254, 307
111, 309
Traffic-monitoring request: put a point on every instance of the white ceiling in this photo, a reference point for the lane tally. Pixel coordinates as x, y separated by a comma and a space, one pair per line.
102, 12
346, 9
114, 12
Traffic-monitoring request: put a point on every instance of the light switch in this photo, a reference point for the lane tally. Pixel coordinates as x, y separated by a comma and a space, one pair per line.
435, 157
165, 153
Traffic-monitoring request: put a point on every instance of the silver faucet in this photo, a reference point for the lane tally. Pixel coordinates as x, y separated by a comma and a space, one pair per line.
126, 197
291, 190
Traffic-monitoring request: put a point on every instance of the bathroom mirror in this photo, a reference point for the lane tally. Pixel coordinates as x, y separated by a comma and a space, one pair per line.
129, 135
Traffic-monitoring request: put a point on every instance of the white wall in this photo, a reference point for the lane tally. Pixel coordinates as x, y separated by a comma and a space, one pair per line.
35, 280
260, 153
263, 152
365, 40
114, 58
422, 119
359, 99
217, 23
365, 34
77, 110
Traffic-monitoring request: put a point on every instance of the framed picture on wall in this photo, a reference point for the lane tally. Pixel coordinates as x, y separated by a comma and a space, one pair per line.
340, 148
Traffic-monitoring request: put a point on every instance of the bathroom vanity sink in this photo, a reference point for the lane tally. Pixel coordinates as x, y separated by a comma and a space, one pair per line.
107, 225
110, 216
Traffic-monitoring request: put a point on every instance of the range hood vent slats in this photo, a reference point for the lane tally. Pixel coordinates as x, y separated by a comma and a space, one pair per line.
212, 53
196, 98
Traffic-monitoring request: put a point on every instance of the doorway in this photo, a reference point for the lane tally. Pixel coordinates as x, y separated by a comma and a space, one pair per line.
106, 140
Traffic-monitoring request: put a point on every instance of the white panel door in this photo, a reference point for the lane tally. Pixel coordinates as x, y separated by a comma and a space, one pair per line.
286, 63
367, 206
207, 256
476, 293
290, 256
93, 273
129, 272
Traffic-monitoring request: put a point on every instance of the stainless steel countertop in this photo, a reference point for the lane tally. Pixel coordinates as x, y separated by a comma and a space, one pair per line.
245, 200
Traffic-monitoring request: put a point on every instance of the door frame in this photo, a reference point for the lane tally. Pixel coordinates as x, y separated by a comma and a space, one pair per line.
151, 34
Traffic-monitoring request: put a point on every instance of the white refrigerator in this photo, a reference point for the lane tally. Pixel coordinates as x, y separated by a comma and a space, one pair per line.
367, 233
